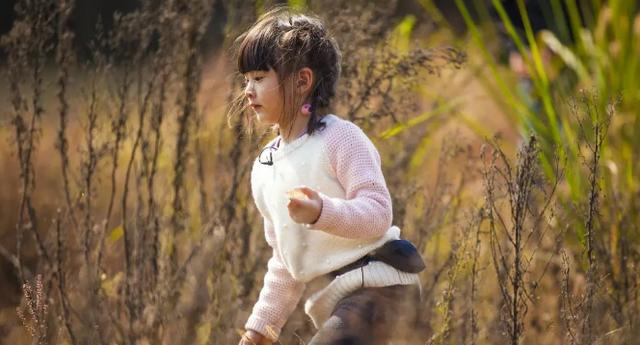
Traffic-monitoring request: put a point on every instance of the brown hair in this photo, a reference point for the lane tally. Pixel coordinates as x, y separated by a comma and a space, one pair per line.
287, 42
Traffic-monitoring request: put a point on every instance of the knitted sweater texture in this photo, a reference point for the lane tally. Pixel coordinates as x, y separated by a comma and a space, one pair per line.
343, 165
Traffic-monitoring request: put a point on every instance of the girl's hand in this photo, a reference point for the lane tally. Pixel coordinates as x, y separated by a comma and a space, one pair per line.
251, 337
305, 205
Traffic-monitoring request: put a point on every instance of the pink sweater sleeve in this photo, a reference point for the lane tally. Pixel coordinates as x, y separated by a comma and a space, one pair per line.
366, 212
279, 296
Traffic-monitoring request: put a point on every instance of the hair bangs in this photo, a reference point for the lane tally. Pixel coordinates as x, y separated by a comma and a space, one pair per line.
256, 52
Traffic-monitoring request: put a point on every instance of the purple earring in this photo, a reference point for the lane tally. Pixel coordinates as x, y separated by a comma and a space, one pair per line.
306, 109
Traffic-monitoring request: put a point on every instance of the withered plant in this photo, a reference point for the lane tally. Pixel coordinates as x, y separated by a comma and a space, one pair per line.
517, 205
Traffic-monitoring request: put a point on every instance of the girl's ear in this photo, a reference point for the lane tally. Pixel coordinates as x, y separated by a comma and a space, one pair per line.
304, 80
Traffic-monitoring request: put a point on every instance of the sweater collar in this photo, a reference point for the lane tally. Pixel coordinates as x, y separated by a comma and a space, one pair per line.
286, 148
281, 149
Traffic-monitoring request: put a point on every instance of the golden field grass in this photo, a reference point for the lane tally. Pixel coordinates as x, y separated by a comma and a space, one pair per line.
179, 256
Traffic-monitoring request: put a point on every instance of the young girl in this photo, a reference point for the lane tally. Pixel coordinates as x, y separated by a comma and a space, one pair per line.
321, 192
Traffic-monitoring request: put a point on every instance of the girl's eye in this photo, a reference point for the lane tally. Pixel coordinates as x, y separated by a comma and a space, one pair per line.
245, 81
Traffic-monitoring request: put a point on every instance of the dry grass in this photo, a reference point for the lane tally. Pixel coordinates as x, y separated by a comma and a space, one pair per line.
128, 216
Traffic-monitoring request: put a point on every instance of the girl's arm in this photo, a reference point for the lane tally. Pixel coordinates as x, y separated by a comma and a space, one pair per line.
279, 296
366, 211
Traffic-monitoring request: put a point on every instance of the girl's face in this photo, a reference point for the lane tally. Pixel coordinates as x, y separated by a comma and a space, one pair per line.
264, 94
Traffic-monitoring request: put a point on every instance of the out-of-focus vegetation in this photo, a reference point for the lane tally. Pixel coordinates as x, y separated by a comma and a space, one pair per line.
127, 215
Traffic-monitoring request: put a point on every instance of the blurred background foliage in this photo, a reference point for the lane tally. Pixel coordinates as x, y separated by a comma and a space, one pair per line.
134, 208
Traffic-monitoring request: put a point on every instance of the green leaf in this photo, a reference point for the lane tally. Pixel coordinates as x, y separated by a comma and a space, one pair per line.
402, 33
116, 234
297, 4
567, 56
400, 127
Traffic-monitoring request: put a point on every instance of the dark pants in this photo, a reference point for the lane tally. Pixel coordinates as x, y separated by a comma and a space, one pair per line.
371, 316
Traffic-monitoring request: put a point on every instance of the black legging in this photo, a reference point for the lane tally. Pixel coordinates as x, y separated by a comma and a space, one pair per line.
370, 316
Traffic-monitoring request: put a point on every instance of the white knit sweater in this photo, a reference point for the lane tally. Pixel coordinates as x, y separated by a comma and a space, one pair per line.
342, 164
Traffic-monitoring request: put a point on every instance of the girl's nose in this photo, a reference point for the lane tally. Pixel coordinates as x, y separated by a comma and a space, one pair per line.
249, 92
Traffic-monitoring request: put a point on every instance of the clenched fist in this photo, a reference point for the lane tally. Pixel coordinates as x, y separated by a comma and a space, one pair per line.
305, 205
